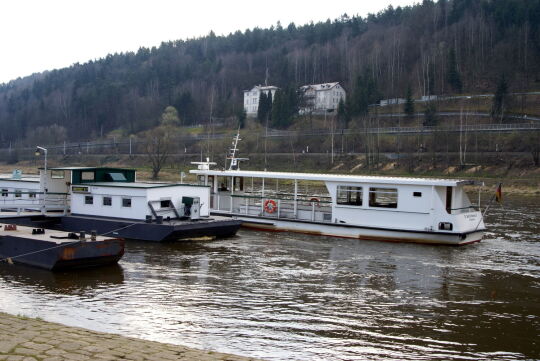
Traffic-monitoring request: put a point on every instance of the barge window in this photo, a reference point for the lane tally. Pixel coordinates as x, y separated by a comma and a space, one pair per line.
57, 174
417, 194
347, 195
5, 192
89, 176
126, 202
107, 201
88, 200
383, 197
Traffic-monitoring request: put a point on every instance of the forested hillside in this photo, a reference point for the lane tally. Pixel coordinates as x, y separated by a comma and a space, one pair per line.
443, 47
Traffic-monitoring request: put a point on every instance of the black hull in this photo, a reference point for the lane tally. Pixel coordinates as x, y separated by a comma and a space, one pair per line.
52, 256
138, 230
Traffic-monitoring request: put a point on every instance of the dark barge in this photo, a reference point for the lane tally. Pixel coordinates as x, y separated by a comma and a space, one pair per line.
53, 250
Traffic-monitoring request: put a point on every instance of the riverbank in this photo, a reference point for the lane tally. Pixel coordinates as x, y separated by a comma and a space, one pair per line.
517, 177
29, 339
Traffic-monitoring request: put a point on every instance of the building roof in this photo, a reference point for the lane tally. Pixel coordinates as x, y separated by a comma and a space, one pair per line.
320, 87
262, 87
337, 178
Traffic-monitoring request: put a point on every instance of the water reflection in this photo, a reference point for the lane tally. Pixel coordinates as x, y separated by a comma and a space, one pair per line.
286, 296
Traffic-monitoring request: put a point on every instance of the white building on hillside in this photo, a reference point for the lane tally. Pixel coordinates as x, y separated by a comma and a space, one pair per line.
320, 97
251, 97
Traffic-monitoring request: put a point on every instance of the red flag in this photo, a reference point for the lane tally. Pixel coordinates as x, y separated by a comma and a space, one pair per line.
498, 193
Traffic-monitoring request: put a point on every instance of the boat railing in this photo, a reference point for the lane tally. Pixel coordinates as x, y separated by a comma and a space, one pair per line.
34, 201
275, 206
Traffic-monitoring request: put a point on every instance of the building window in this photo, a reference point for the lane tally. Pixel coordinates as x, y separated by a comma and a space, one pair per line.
57, 174
18, 193
5, 192
383, 197
90, 176
107, 201
126, 202
417, 194
351, 196
88, 200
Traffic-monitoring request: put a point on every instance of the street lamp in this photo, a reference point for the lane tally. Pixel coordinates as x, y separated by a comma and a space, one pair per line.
38, 153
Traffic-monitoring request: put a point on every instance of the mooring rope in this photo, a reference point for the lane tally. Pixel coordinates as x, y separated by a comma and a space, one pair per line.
7, 259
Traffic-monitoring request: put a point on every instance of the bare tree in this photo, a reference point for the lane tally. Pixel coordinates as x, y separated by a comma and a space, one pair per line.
158, 144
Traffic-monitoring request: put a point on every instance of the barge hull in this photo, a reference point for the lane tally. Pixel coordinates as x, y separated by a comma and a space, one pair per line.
138, 230
53, 256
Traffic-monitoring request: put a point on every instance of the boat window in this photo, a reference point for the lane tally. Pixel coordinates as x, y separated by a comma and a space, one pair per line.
107, 201
57, 174
166, 203
115, 177
383, 197
348, 195
126, 202
88, 200
5, 192
18, 193
31, 194
417, 194
88, 176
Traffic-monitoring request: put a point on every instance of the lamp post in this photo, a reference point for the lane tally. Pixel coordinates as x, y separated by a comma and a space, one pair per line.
38, 153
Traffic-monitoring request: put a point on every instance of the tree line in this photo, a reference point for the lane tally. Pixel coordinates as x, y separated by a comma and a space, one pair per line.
434, 47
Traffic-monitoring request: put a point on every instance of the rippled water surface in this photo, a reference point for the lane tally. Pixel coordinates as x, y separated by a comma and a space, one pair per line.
281, 296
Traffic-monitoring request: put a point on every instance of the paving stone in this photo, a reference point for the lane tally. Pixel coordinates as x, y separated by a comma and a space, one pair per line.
37, 340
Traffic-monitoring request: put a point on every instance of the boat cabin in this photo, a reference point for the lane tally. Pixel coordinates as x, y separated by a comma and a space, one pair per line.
115, 193
19, 191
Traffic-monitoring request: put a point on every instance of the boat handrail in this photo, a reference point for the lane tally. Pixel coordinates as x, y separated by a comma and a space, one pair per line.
268, 196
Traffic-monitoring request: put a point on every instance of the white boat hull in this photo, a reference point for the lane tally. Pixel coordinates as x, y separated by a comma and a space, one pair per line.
357, 232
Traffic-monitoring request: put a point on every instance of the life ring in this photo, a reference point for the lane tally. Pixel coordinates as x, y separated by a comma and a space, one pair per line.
270, 206
315, 200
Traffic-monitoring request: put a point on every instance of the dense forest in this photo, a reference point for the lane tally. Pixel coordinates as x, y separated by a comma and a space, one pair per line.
442, 47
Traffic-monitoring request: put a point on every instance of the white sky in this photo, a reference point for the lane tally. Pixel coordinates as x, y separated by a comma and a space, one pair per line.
38, 35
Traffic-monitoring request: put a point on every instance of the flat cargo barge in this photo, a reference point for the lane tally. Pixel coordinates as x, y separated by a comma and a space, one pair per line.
53, 250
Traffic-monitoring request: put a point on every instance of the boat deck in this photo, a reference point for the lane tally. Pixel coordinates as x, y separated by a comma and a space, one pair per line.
48, 235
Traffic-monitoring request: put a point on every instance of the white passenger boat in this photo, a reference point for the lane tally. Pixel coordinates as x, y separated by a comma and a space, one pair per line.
397, 209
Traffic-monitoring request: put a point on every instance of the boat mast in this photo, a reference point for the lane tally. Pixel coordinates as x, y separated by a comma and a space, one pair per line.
235, 162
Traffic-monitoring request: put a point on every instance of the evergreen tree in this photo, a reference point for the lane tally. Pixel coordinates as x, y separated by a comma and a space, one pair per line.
241, 118
452, 76
342, 115
262, 110
500, 99
409, 103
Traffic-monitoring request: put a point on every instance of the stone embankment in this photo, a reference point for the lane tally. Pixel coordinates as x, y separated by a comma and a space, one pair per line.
27, 339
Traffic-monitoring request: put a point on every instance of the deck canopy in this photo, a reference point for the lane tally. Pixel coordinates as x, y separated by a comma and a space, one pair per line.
337, 178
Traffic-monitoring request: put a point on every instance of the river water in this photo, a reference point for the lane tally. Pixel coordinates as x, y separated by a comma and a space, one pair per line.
281, 296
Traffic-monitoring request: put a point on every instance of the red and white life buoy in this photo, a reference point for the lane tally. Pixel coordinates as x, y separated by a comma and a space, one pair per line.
315, 200
270, 206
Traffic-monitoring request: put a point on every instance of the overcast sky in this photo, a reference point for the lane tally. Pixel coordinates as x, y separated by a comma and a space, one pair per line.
38, 35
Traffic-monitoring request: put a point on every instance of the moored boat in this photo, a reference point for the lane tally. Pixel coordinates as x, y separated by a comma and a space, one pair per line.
398, 209
53, 250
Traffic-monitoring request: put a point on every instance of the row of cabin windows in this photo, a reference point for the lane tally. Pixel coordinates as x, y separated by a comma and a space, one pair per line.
107, 201
378, 197
18, 193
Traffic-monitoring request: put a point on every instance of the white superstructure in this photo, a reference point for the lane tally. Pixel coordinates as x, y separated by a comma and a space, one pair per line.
381, 208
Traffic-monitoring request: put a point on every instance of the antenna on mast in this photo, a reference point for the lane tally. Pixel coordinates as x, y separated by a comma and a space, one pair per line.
235, 162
